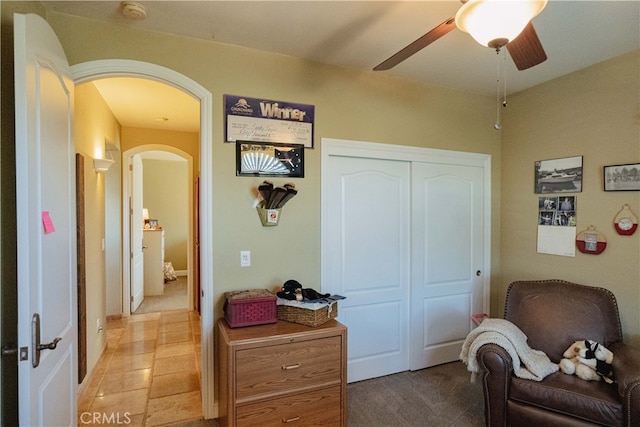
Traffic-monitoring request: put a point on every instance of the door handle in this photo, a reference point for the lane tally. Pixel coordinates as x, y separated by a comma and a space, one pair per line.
36, 347
51, 346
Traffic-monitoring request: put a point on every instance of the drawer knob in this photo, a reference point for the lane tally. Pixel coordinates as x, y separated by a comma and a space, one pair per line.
290, 420
289, 367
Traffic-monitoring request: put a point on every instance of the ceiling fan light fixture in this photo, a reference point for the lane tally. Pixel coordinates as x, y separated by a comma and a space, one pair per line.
494, 23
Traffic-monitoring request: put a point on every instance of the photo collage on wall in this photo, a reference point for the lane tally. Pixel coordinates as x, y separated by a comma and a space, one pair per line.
557, 211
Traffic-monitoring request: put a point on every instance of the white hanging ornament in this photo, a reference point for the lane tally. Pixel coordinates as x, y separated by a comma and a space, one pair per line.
625, 221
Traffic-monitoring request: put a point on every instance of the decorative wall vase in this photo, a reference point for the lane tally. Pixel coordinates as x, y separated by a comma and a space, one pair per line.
625, 221
591, 241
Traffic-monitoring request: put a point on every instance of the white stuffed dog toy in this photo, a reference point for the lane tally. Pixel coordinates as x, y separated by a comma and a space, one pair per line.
588, 360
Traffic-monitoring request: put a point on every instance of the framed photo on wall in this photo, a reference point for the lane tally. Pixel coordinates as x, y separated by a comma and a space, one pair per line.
269, 159
558, 175
622, 177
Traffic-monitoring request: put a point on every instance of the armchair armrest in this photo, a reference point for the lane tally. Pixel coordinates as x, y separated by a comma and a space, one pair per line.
626, 367
497, 369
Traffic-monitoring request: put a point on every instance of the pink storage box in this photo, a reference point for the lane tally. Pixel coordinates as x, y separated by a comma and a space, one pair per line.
249, 308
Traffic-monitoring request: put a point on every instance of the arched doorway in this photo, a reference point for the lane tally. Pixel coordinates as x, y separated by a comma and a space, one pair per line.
92, 70
126, 196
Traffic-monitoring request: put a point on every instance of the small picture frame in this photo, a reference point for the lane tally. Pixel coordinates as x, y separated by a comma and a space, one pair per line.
591, 242
269, 159
622, 177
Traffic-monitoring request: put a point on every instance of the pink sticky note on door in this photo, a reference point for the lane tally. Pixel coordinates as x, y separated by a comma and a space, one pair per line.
47, 223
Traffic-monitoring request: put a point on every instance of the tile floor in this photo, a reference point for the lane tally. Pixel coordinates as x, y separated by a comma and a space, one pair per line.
149, 374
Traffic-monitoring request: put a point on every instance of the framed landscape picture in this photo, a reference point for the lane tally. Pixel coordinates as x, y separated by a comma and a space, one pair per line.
622, 177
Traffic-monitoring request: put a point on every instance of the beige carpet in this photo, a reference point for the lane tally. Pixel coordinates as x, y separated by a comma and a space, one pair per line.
174, 298
441, 396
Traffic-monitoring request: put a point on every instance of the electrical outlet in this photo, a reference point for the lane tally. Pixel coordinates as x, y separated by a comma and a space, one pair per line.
98, 326
245, 258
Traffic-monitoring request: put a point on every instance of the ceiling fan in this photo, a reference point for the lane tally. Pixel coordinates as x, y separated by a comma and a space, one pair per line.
488, 15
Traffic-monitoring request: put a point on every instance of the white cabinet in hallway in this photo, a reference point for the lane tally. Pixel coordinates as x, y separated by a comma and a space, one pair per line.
153, 248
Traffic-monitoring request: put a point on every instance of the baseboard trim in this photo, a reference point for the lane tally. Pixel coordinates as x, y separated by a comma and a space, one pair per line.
182, 272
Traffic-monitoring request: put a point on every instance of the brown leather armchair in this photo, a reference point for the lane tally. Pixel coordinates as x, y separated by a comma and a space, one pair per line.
553, 314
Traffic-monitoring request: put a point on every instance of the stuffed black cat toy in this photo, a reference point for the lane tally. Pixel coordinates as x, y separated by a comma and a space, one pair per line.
292, 290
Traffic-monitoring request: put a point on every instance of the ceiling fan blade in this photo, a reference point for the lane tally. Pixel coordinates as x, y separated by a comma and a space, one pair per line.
526, 49
417, 45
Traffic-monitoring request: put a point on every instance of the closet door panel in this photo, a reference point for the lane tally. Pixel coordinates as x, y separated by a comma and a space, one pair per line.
447, 254
368, 260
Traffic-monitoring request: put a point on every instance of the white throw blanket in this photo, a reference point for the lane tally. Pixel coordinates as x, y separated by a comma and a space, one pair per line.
527, 363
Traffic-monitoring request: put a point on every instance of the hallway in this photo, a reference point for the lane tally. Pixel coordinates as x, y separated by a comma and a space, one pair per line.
149, 374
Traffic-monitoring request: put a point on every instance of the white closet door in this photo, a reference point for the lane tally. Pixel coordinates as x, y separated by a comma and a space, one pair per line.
448, 243
367, 212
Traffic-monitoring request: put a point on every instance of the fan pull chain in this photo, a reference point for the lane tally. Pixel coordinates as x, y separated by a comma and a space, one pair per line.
501, 73
504, 77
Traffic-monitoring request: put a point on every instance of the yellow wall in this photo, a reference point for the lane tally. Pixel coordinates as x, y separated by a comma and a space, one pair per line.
187, 142
364, 106
594, 113
166, 196
94, 123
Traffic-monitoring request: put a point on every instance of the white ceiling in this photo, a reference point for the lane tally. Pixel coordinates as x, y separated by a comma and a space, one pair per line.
361, 34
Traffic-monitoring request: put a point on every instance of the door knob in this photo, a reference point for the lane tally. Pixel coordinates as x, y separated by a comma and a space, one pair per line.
51, 346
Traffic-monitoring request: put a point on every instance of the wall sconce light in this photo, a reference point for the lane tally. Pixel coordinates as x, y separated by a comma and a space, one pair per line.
102, 165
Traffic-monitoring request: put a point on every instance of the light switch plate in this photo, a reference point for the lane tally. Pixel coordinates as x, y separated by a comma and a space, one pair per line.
245, 258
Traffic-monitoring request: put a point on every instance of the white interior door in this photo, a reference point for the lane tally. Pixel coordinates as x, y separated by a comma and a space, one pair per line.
46, 225
137, 253
367, 250
447, 259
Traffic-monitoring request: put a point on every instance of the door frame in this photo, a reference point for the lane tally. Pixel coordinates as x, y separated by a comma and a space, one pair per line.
92, 70
373, 150
126, 220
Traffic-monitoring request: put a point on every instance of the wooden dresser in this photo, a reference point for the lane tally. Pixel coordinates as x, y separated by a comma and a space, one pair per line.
283, 374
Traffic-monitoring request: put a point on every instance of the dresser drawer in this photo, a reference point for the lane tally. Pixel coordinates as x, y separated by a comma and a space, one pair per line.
287, 367
314, 408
